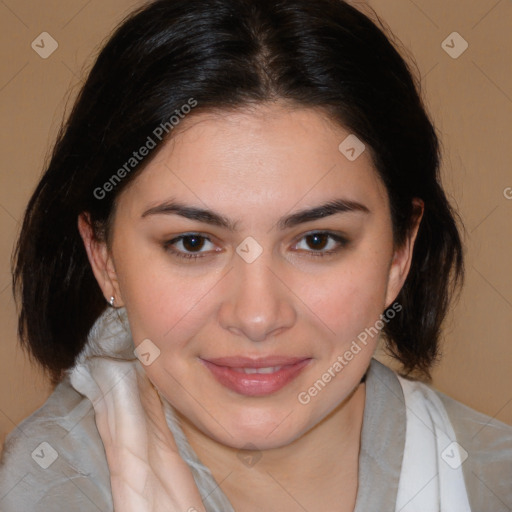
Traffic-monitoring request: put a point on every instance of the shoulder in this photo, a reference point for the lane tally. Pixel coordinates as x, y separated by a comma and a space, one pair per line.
485, 445
488, 444
54, 460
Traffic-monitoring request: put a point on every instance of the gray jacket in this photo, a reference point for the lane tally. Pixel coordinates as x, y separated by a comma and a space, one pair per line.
54, 460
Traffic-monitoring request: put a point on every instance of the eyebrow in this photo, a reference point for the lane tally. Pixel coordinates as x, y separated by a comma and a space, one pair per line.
332, 207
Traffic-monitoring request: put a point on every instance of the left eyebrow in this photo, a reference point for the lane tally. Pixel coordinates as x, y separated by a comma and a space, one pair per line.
211, 217
322, 211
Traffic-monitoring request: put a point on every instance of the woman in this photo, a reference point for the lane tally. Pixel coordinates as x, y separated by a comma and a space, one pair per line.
244, 198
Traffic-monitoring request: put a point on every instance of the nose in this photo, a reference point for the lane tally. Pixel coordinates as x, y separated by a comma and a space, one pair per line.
258, 304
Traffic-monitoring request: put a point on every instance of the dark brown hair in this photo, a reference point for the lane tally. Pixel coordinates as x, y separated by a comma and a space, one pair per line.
228, 54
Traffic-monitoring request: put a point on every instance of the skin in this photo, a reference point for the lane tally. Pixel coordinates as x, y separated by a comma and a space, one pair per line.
254, 167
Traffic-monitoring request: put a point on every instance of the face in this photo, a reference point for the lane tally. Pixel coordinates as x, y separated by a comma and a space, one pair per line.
251, 241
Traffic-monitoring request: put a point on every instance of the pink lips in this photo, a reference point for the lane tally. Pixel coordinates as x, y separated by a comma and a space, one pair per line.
229, 372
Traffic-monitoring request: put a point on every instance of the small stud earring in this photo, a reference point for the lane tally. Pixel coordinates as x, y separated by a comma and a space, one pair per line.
111, 301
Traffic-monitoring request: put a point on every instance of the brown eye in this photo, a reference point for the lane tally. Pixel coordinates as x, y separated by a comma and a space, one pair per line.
317, 241
188, 246
321, 243
193, 242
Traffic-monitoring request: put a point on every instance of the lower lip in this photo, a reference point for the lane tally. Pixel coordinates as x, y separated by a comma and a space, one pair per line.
255, 384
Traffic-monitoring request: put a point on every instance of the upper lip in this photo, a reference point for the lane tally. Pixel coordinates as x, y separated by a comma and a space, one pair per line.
260, 362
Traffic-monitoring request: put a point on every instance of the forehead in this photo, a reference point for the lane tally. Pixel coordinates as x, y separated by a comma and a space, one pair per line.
258, 157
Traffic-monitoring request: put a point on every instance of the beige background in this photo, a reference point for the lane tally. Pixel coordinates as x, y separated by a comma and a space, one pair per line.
470, 99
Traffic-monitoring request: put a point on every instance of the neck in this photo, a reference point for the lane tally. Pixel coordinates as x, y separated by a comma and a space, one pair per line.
326, 454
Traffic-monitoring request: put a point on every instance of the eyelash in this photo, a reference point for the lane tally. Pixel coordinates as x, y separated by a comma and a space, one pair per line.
342, 242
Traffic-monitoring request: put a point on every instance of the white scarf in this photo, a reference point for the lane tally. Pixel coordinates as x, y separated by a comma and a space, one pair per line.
431, 479
112, 378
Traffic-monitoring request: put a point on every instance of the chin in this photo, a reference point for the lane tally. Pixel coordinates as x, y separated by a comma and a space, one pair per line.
264, 435
250, 440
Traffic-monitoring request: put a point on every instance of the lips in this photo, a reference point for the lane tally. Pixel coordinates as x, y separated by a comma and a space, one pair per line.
261, 362
255, 377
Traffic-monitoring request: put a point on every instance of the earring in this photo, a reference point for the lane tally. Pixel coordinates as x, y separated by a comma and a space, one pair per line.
111, 301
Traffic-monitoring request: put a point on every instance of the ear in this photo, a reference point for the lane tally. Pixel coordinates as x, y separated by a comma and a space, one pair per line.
100, 260
402, 257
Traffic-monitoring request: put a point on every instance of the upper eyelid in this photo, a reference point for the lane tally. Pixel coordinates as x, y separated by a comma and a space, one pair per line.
209, 237
332, 234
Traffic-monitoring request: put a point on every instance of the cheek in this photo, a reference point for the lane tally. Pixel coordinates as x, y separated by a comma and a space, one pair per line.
164, 302
348, 298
